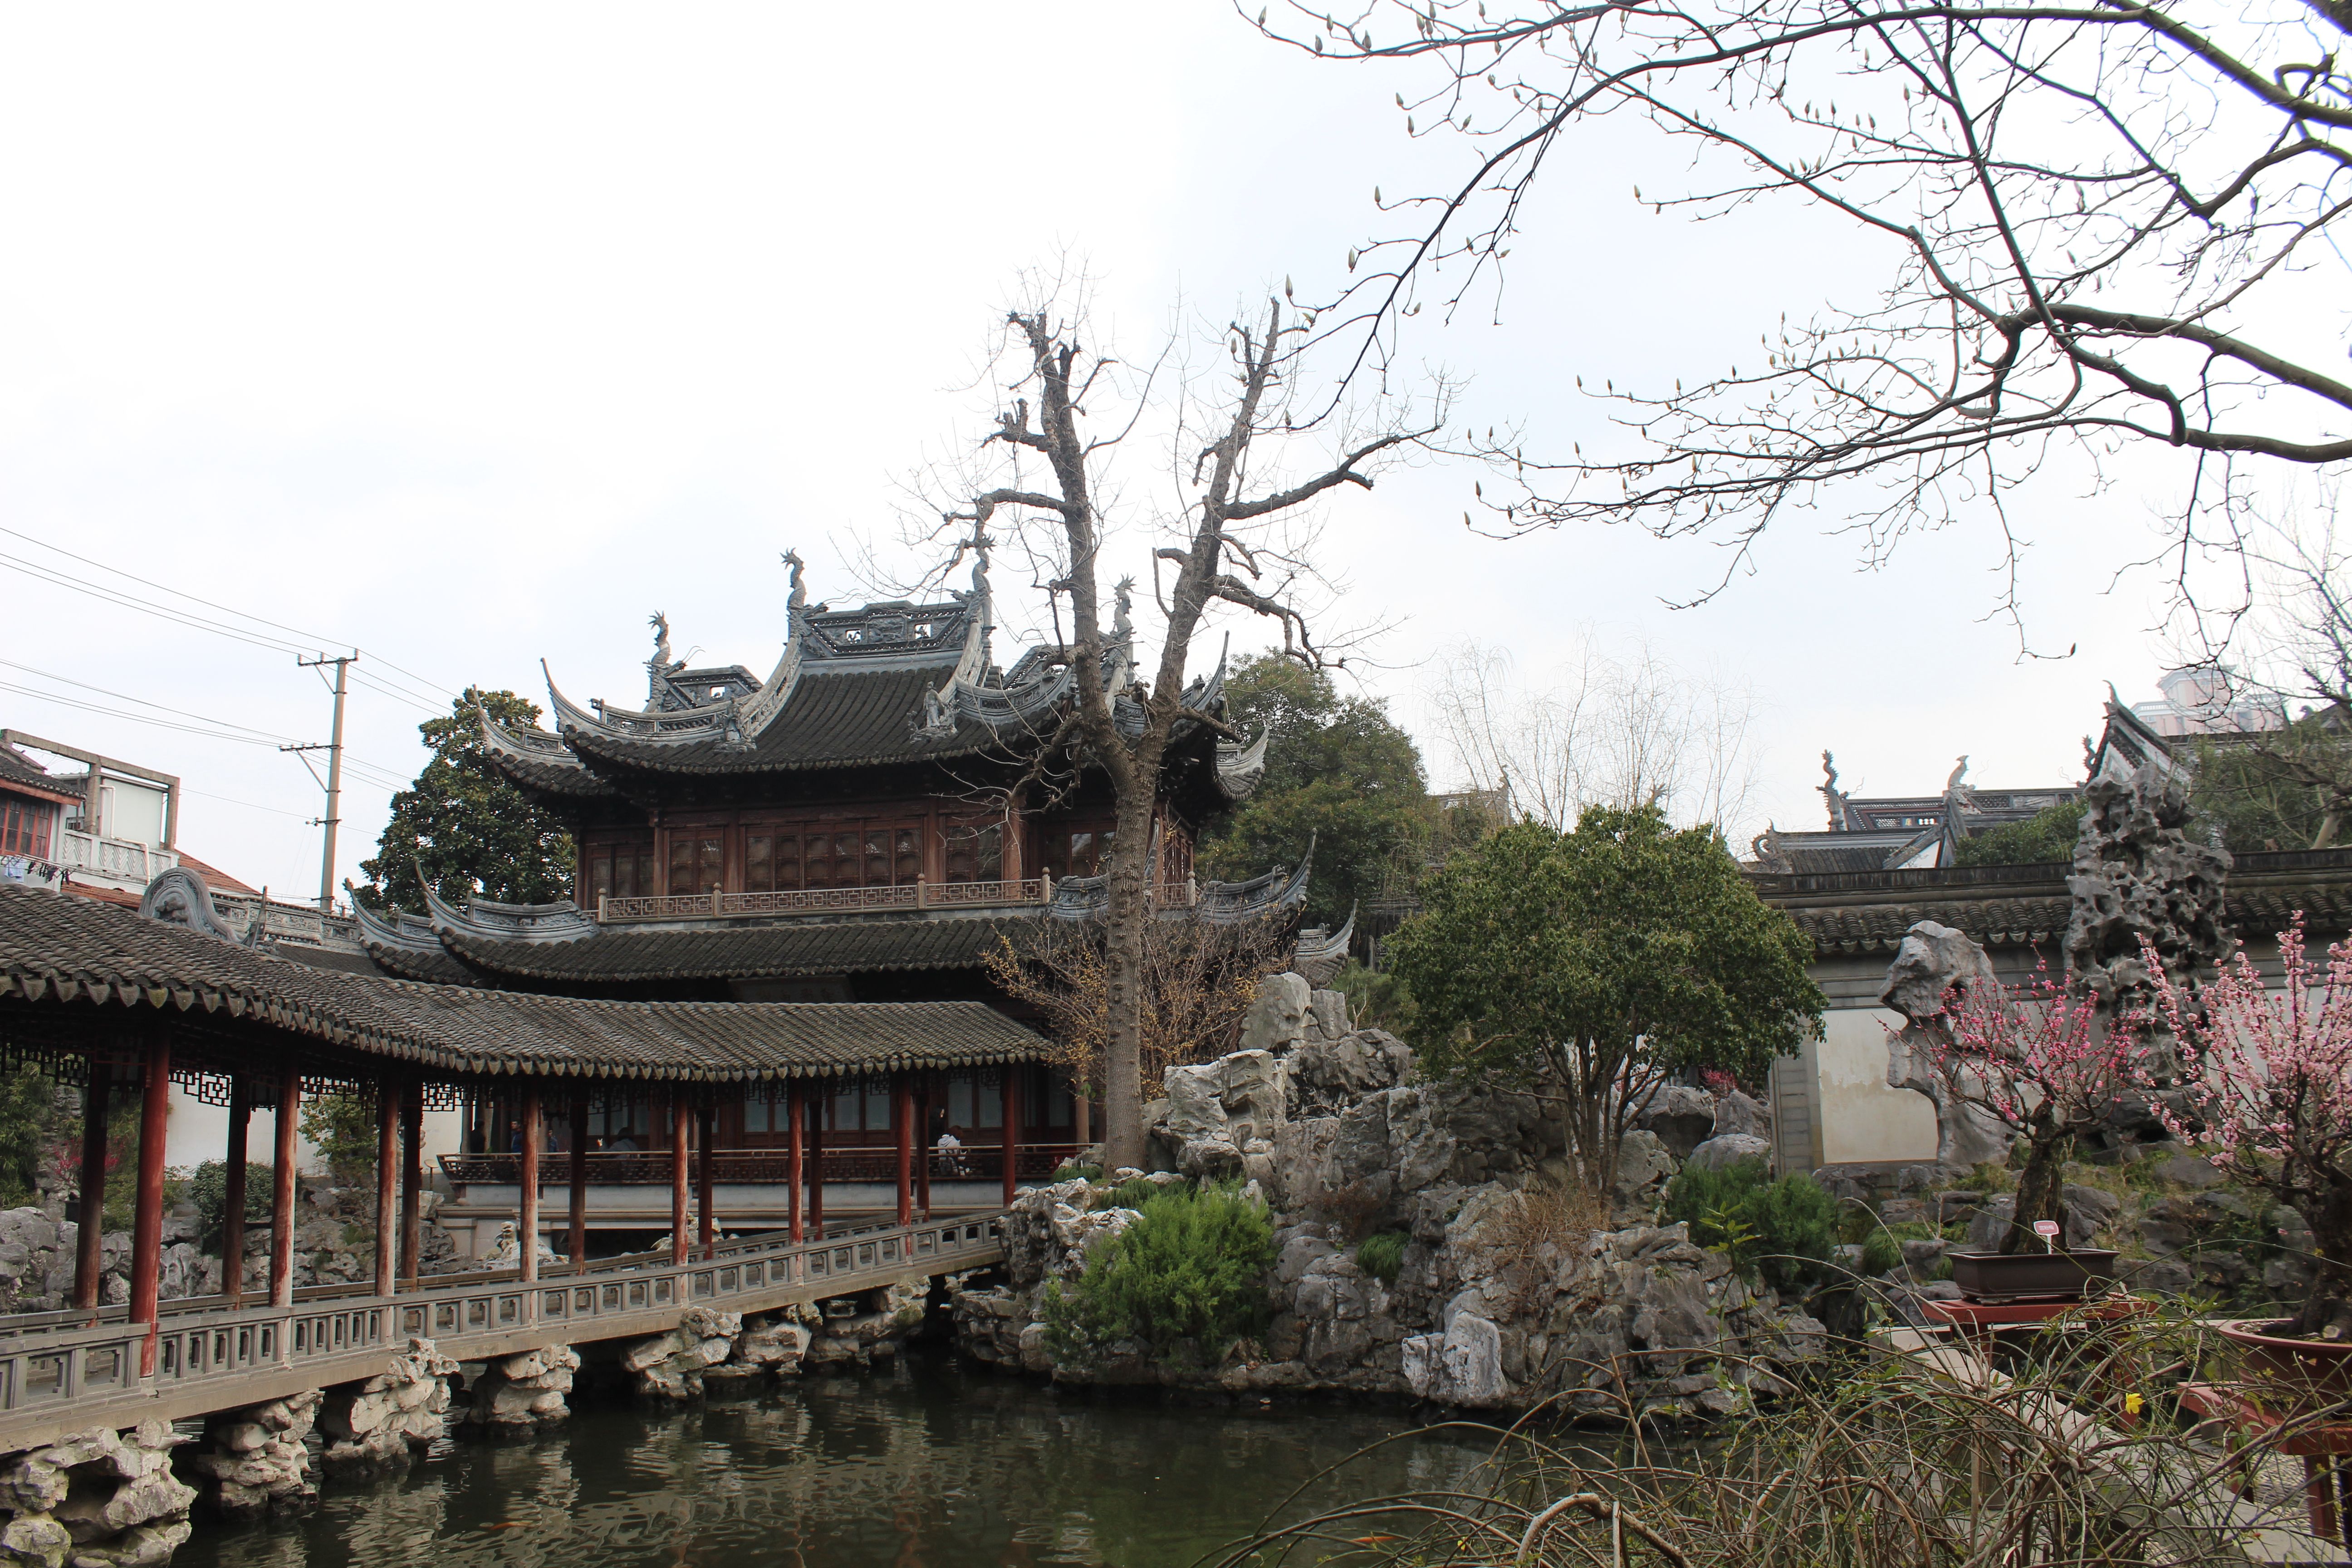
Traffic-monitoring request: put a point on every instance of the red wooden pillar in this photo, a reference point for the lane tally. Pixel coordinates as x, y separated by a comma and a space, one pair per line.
89, 1257
923, 1151
706, 1223
147, 1224
577, 1182
902, 1115
1012, 1128
527, 1217
387, 1188
677, 1141
240, 1129
412, 1177
792, 1157
282, 1191
816, 1168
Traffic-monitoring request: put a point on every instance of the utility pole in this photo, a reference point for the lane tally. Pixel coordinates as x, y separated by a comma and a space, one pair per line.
334, 818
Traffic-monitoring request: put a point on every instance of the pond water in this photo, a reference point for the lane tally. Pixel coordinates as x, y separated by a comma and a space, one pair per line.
920, 1466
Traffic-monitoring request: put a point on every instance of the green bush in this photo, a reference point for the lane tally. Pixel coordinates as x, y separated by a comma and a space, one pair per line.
1881, 1251
1781, 1232
208, 1190
1129, 1195
342, 1129
1383, 1255
1191, 1267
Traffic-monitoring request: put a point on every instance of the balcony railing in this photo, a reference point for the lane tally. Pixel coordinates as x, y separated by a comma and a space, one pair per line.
809, 900
759, 1167
119, 858
1035, 890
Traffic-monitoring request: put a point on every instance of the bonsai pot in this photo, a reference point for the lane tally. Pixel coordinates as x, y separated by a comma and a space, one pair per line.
2306, 1371
2046, 1276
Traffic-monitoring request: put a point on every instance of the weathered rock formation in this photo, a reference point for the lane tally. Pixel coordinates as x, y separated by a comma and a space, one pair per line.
258, 1460
670, 1366
524, 1392
97, 1499
381, 1421
2139, 874
1932, 960
1509, 1289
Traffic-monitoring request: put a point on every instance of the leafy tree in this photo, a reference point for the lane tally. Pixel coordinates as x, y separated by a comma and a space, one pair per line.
466, 824
341, 1128
40, 1125
1339, 771
2047, 835
2284, 789
1593, 964
208, 1189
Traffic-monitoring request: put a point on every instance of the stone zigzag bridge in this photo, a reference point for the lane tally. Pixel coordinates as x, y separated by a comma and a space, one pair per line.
58, 1377
99, 997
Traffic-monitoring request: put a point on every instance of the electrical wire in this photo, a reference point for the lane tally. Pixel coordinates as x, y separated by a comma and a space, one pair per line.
143, 703
367, 772
242, 614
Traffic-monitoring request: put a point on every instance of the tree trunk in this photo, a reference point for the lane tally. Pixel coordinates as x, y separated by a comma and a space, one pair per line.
2039, 1188
2329, 1304
1129, 873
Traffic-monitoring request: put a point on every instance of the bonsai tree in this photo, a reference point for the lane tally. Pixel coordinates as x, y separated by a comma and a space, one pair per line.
2039, 1060
2268, 1087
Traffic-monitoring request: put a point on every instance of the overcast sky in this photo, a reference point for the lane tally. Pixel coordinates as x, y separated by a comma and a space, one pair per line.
472, 336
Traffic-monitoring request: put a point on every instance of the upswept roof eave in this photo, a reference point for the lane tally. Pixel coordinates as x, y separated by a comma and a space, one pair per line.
52, 952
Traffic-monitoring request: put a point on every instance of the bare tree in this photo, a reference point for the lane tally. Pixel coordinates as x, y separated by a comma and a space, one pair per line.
1235, 534
1199, 980
2272, 755
2106, 225
1626, 733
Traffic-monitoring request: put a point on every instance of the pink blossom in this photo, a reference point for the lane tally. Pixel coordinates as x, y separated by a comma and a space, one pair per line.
2269, 1071
2033, 1055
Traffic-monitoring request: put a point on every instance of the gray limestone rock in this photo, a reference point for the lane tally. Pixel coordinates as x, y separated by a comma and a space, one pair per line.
1736, 1113
1730, 1149
1932, 960
2139, 874
524, 1391
1644, 1163
1277, 1018
1682, 1117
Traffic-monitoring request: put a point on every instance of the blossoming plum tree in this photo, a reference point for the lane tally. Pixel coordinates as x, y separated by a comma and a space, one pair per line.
2268, 1089
2041, 1060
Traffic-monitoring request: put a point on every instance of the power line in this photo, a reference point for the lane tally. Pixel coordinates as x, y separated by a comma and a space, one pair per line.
384, 777
242, 614
248, 804
143, 703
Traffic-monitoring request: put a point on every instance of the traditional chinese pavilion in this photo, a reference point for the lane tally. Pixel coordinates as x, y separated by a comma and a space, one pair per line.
865, 825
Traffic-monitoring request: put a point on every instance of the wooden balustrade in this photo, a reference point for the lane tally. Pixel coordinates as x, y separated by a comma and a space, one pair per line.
611, 911
336, 1333
765, 1167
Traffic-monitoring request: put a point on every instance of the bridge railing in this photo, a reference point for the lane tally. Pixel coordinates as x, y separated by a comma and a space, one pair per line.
206, 1340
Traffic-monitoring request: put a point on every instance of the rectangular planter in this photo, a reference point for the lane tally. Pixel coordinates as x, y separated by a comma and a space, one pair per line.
2052, 1276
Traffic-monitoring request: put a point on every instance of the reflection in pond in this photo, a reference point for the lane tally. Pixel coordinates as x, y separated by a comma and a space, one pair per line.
923, 1467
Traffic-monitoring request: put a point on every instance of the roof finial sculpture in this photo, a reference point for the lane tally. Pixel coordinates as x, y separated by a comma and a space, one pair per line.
661, 663
1830, 795
799, 589
1123, 626
1953, 785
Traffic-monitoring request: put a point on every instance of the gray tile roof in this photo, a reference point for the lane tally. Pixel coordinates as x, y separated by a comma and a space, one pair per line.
59, 953
837, 717
778, 952
2023, 905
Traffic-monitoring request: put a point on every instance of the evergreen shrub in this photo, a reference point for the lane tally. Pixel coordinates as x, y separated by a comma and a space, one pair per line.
1191, 1267
1383, 1255
208, 1190
1779, 1232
